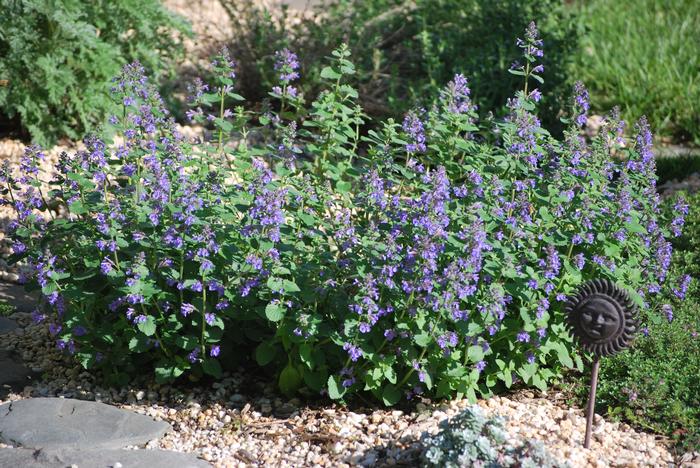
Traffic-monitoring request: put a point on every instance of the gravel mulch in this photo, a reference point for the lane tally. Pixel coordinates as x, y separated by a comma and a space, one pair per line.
241, 422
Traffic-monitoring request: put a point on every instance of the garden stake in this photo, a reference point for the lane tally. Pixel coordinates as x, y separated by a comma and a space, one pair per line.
590, 408
603, 319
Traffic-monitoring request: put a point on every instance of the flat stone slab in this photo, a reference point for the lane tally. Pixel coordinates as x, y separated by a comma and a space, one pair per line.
16, 296
74, 424
13, 375
62, 458
7, 325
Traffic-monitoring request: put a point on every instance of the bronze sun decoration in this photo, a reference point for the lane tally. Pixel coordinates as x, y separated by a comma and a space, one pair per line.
603, 318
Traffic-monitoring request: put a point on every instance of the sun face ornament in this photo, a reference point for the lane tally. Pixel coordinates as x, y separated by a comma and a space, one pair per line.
603, 319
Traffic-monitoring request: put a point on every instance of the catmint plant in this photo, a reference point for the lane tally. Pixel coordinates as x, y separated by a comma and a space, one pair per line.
426, 257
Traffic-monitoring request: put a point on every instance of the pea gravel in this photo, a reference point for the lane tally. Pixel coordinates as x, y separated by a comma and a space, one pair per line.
241, 422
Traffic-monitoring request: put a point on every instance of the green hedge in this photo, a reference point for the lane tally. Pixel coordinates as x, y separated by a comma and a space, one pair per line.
59, 56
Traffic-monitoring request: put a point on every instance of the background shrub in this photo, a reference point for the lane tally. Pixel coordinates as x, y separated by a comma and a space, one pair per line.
59, 57
644, 55
407, 51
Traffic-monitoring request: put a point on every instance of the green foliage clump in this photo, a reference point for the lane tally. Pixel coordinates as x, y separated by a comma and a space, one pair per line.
656, 384
406, 51
6, 309
644, 55
59, 57
471, 438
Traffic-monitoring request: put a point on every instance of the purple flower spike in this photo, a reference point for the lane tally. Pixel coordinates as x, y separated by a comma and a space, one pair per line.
668, 312
456, 96
413, 127
581, 103
287, 64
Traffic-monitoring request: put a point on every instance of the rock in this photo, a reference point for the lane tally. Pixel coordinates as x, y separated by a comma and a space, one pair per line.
13, 374
690, 460
7, 325
370, 459
15, 295
285, 410
237, 398
60, 458
68, 423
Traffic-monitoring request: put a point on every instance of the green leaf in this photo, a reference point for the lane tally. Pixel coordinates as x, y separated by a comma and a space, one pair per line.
314, 380
507, 378
391, 395
527, 371
563, 355
274, 312
335, 389
138, 344
330, 74
390, 374
307, 219
290, 286
306, 355
187, 343
290, 380
86, 359
635, 228
544, 214
422, 340
475, 353
427, 380
443, 389
342, 186
265, 353
224, 125
167, 372
471, 396
274, 283
538, 382
148, 327
86, 275
211, 367
163, 374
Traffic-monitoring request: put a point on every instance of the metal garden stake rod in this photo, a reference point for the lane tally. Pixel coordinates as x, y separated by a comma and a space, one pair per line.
590, 407
602, 317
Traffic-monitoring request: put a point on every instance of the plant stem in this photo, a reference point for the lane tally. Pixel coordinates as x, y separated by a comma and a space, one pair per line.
204, 309
221, 116
411, 370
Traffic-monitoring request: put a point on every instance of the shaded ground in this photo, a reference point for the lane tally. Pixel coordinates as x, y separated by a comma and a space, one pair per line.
15, 295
